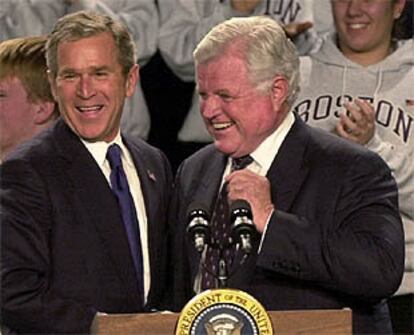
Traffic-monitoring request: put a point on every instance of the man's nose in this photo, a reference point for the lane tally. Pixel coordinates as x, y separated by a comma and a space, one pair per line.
210, 107
85, 87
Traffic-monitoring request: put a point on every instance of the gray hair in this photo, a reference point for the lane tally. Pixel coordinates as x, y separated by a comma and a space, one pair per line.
73, 27
263, 45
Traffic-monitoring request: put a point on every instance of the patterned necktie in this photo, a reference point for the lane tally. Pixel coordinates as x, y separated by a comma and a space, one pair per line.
120, 188
221, 231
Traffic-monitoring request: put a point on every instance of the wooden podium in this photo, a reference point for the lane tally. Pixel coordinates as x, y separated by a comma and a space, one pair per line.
317, 322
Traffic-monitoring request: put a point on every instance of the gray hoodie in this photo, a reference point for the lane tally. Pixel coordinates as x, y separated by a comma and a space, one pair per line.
328, 77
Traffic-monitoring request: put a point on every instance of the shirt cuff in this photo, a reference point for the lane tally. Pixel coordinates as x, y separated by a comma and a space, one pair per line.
265, 230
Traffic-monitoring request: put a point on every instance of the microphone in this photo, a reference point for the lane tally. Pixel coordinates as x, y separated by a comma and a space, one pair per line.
198, 227
243, 227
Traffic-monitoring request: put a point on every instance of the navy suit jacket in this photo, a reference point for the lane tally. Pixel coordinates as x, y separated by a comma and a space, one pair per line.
65, 252
335, 238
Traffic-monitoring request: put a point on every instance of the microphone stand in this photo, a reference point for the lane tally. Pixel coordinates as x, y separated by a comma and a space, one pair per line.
222, 270
222, 274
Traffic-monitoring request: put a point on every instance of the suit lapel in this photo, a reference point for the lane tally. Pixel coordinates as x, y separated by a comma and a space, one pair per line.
209, 184
205, 191
147, 179
151, 192
289, 168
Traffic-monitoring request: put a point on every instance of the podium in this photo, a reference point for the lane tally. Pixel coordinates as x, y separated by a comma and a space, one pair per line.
317, 322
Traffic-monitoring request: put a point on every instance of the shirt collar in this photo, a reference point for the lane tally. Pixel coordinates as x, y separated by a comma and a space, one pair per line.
266, 152
99, 149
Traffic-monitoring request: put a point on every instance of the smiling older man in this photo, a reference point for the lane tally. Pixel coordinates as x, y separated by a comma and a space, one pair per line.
328, 231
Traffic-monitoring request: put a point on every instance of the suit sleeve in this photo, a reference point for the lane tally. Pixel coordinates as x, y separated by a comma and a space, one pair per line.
179, 288
357, 250
29, 301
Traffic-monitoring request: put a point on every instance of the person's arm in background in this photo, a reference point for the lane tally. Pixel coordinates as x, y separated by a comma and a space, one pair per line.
400, 161
185, 22
20, 18
359, 127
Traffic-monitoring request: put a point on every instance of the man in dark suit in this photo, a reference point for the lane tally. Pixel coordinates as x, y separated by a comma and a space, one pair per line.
329, 234
83, 230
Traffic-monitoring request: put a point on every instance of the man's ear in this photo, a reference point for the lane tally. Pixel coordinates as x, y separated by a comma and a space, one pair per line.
398, 8
131, 80
43, 112
52, 84
279, 91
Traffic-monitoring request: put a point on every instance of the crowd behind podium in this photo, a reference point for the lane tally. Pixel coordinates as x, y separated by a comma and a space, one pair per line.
164, 107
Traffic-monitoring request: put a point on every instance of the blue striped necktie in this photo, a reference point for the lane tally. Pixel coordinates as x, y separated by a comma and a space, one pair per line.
120, 188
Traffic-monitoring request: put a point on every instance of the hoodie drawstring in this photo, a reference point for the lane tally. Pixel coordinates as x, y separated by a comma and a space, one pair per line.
379, 83
343, 84
377, 87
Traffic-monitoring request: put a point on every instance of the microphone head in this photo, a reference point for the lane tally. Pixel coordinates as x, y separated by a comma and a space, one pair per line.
240, 207
242, 224
197, 210
198, 227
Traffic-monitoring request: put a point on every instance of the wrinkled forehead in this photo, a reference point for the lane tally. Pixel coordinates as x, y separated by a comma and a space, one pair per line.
224, 70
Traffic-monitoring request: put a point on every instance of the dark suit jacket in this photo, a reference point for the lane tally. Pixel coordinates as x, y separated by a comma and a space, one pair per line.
335, 239
65, 253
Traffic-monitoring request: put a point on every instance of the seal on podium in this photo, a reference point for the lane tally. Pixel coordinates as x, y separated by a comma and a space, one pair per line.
223, 312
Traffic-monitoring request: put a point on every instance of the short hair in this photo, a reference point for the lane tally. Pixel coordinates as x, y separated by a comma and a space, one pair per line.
262, 44
24, 58
82, 24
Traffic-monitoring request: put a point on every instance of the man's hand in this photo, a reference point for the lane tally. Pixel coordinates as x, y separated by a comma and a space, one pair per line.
294, 29
255, 189
244, 6
81, 4
359, 125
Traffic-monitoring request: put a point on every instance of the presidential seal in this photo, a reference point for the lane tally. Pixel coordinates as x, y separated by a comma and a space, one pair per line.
223, 312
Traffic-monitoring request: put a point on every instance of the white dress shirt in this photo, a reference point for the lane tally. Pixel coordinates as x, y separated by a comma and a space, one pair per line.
98, 150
